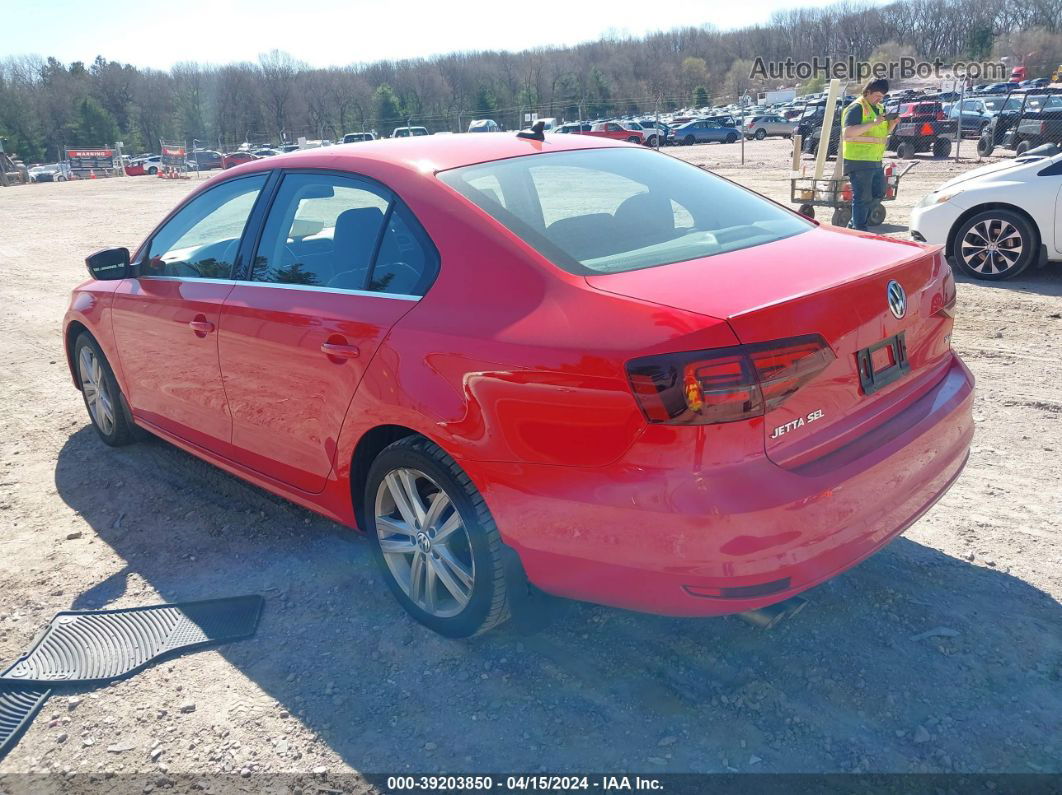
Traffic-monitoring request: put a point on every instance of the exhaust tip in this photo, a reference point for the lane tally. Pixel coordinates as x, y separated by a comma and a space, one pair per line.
773, 615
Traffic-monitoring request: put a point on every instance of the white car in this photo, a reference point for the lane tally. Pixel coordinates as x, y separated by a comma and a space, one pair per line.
996, 221
151, 163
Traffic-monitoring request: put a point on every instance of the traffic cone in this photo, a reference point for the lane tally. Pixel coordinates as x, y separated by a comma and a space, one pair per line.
92, 173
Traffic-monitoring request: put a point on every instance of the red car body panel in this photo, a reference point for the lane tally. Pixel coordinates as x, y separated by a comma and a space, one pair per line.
519, 374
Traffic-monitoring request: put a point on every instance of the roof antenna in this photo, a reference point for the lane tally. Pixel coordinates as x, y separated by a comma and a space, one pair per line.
536, 133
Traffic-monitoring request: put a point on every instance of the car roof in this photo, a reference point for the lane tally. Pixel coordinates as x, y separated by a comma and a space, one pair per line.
430, 152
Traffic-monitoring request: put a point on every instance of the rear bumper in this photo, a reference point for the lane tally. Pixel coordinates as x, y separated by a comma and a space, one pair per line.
665, 522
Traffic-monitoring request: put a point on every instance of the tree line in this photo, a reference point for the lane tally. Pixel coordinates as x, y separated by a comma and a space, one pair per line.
46, 105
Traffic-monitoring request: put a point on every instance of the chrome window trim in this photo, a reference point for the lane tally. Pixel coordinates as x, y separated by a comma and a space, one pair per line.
308, 287
340, 290
185, 279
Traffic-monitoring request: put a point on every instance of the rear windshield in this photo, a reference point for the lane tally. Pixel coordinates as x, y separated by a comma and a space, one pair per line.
610, 210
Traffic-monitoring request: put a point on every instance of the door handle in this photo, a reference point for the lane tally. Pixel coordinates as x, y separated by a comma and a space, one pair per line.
339, 351
201, 326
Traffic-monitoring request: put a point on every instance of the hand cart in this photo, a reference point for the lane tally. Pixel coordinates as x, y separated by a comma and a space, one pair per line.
837, 193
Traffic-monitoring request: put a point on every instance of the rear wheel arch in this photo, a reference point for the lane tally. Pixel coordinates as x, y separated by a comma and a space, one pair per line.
369, 446
949, 248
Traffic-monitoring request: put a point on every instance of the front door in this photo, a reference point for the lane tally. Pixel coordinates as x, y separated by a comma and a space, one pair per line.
339, 262
165, 321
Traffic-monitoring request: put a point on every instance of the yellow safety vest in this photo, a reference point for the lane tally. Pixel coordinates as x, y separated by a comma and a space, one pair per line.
871, 144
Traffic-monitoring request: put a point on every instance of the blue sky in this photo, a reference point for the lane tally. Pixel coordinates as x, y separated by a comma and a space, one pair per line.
327, 32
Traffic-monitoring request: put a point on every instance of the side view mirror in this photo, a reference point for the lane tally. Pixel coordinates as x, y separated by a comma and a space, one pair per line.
109, 264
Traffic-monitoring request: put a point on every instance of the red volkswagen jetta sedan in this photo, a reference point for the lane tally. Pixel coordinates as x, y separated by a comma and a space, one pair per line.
569, 362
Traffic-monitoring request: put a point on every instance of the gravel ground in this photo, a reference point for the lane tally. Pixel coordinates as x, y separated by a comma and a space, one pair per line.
941, 653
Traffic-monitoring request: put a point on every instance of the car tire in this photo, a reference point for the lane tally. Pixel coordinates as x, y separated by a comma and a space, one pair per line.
101, 393
650, 141
905, 150
994, 226
761, 134
985, 145
1022, 148
941, 148
688, 140
732, 138
152, 170
459, 588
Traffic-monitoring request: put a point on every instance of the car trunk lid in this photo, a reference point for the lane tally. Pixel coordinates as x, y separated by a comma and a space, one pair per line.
836, 286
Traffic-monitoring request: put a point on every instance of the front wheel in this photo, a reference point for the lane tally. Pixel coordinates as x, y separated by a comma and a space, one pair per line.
434, 540
761, 134
688, 140
905, 150
102, 395
732, 138
877, 215
994, 245
152, 170
941, 148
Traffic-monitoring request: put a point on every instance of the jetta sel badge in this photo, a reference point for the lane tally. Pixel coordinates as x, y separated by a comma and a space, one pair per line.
799, 422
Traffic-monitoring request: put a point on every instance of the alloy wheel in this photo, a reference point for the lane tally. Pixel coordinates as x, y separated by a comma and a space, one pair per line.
424, 542
992, 246
97, 395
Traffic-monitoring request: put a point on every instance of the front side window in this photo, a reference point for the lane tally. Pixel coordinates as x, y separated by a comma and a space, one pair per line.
201, 241
344, 233
606, 210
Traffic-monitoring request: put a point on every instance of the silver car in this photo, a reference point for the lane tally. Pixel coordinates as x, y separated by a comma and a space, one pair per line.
759, 127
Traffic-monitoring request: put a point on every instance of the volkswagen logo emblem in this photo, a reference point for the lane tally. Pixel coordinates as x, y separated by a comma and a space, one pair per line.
897, 299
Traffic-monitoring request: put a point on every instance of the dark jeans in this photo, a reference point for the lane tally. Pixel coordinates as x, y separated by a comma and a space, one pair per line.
868, 188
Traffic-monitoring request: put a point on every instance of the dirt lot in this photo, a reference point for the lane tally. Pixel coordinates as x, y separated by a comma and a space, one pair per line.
339, 680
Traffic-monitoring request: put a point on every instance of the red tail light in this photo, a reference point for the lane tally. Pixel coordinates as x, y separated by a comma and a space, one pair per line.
927, 128
725, 384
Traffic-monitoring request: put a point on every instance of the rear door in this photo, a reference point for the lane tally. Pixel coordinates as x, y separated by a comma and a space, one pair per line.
340, 260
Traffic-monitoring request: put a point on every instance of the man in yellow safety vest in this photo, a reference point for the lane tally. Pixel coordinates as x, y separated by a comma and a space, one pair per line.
865, 129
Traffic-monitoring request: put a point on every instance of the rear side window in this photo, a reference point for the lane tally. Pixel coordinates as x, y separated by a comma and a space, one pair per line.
407, 262
611, 210
322, 231
343, 233
202, 239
